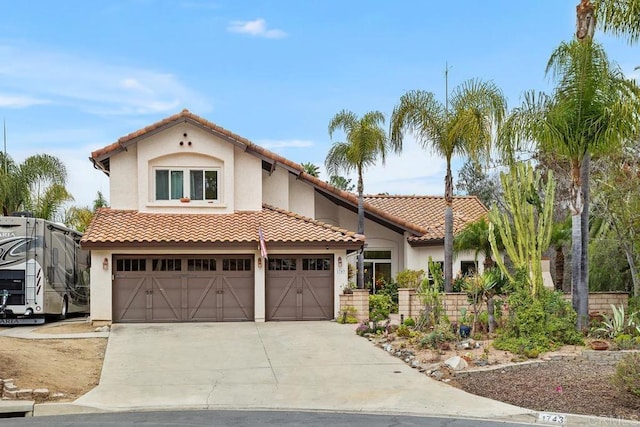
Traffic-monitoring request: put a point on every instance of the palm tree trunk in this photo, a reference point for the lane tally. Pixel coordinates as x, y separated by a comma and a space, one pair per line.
448, 230
576, 254
360, 276
584, 254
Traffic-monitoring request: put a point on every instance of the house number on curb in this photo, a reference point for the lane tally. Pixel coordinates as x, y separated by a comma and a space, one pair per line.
552, 418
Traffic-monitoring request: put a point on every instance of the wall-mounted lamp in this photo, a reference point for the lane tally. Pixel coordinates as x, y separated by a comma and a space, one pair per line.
260, 262
105, 264
339, 262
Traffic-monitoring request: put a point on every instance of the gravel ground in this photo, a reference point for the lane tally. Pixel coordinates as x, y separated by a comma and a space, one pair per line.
576, 387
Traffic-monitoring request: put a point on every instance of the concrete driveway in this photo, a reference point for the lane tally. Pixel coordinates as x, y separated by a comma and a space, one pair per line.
276, 365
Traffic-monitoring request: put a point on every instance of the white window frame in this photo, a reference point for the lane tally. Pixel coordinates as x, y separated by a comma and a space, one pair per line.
186, 184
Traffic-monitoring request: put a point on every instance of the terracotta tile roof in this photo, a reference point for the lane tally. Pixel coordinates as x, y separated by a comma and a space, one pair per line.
112, 227
405, 212
428, 212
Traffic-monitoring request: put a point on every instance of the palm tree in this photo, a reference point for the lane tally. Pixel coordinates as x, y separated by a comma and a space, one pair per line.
311, 169
619, 18
365, 142
36, 184
592, 110
475, 237
460, 127
79, 218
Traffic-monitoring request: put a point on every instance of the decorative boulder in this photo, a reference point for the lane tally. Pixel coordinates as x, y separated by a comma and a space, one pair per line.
456, 363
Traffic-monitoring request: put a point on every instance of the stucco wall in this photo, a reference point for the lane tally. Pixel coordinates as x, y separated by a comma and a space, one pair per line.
326, 210
377, 238
101, 292
418, 258
275, 188
123, 180
164, 150
248, 181
301, 197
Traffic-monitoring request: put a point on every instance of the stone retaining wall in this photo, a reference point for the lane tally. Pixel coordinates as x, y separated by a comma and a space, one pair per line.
10, 391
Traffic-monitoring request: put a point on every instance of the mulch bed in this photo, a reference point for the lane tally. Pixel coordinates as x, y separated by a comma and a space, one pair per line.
567, 387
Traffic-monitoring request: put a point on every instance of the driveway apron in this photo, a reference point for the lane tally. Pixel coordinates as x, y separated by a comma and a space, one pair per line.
274, 365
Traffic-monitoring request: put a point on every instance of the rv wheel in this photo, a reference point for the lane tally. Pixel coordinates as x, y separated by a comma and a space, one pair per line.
65, 307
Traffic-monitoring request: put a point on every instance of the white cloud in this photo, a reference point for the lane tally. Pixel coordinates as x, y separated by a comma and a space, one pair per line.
273, 144
19, 101
131, 83
257, 28
91, 85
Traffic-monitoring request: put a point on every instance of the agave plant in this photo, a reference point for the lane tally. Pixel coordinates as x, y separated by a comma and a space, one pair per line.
618, 323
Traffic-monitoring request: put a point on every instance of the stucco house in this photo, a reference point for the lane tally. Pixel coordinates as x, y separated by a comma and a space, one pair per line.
189, 202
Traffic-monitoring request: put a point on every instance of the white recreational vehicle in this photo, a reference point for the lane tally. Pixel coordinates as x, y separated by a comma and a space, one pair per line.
43, 271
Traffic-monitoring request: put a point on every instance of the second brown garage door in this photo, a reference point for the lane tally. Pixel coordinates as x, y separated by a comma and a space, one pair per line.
299, 287
183, 289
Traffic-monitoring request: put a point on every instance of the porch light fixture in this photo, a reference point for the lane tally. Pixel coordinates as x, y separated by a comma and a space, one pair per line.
339, 262
260, 262
105, 264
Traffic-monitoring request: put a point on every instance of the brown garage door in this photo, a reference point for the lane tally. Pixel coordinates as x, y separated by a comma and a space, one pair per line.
183, 289
299, 287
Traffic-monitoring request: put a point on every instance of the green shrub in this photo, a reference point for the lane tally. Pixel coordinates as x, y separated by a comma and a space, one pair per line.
627, 375
391, 290
379, 307
626, 342
536, 325
409, 322
348, 315
441, 333
409, 278
403, 331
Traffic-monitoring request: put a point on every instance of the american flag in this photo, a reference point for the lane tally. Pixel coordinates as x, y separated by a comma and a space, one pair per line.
263, 246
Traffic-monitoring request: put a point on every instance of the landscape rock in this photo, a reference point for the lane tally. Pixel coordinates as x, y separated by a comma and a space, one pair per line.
438, 375
25, 393
41, 393
104, 328
456, 363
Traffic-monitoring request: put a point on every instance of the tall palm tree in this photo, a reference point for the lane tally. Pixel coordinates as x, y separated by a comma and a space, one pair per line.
36, 184
592, 110
462, 126
365, 142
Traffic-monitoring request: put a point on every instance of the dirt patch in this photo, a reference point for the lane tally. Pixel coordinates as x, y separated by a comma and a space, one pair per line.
66, 328
70, 367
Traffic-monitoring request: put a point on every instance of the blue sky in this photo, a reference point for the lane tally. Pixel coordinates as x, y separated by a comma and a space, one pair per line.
75, 75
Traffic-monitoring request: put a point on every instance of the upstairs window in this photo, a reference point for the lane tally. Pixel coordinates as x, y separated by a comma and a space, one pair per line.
204, 184
200, 184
